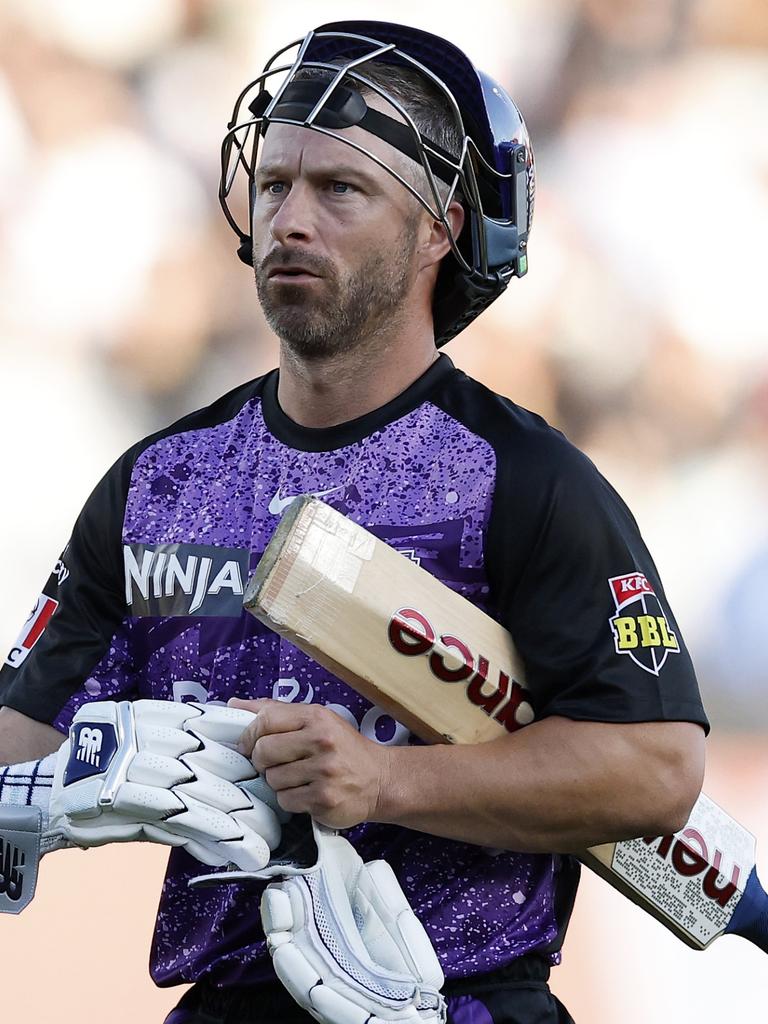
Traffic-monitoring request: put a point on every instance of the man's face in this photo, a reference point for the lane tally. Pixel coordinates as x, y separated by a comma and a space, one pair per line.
334, 239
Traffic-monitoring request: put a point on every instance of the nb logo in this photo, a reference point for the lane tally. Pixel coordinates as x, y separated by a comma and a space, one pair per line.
89, 746
93, 746
11, 875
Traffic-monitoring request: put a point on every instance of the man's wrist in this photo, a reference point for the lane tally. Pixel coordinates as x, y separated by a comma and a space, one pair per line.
384, 794
397, 781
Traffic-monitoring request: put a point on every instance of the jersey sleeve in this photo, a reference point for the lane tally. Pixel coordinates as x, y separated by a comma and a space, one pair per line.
74, 645
578, 590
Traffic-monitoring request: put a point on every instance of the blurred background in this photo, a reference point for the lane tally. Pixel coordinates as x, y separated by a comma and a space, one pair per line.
640, 331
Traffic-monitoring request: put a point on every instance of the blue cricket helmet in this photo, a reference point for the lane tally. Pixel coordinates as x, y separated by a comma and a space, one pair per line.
493, 175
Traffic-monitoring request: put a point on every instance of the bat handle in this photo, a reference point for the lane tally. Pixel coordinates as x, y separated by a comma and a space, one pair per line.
750, 918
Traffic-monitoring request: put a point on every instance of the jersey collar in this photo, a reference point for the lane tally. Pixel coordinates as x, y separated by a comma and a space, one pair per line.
326, 439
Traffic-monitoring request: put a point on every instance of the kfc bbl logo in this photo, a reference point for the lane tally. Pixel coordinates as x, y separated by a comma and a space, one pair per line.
640, 627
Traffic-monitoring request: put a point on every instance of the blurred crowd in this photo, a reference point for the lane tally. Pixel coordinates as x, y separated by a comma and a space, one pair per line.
640, 330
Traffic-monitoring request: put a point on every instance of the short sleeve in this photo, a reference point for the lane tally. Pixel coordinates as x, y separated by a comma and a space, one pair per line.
576, 587
73, 646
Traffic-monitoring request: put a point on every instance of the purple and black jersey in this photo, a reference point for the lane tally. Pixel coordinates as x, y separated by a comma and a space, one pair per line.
146, 601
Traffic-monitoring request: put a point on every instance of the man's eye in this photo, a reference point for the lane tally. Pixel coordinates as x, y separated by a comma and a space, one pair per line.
341, 187
273, 188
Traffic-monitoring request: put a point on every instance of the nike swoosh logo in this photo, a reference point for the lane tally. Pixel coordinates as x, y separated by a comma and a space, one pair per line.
278, 505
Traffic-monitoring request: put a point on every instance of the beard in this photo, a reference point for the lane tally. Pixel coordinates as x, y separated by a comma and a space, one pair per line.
343, 311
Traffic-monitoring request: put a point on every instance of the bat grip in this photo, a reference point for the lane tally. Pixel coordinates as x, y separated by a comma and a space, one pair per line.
750, 918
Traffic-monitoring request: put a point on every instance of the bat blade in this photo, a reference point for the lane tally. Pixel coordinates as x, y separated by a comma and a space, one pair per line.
450, 673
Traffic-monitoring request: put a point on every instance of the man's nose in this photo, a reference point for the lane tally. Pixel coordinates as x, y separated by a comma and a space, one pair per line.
293, 221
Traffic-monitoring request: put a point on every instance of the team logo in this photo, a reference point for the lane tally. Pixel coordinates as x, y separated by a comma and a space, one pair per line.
439, 547
185, 579
410, 554
33, 629
640, 627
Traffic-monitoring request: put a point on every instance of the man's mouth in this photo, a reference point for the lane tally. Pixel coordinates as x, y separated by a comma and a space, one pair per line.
292, 275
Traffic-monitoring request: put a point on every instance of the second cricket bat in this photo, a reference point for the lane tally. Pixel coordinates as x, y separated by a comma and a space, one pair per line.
451, 674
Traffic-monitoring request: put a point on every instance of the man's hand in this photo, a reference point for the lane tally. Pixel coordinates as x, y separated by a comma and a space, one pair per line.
315, 761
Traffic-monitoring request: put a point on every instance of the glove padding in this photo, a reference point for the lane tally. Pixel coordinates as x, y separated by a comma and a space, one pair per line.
344, 939
163, 772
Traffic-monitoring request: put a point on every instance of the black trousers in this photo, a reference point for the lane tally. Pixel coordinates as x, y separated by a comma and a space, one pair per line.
518, 994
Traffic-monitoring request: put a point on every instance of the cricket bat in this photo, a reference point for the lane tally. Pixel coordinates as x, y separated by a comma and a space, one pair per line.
451, 674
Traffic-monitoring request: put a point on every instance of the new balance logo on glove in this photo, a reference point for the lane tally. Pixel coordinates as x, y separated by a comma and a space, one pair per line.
11, 874
92, 745
88, 746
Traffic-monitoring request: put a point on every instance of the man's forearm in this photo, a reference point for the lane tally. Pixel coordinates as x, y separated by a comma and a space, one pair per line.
555, 786
24, 739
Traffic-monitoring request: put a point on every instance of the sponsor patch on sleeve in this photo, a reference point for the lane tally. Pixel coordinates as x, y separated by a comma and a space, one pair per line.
33, 629
640, 626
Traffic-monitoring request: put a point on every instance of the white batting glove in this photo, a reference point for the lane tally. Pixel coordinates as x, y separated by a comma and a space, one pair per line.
344, 940
164, 772
149, 770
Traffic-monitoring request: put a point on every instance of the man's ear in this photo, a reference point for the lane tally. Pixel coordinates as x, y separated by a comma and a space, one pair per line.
438, 243
456, 217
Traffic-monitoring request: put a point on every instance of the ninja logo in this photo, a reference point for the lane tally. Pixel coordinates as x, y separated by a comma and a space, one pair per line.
640, 627
185, 579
